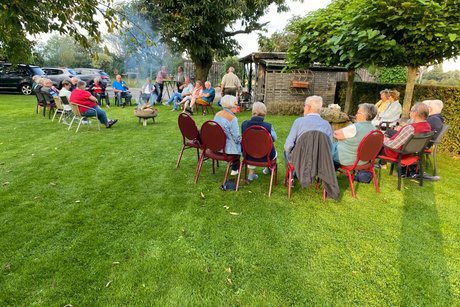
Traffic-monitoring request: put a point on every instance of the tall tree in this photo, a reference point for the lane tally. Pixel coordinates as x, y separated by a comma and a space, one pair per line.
76, 18
325, 36
423, 31
205, 29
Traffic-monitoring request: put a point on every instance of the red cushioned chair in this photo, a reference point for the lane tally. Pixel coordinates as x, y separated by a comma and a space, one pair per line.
410, 154
368, 149
190, 135
213, 139
257, 143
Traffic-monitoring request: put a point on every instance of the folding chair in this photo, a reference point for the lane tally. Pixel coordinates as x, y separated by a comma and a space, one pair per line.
80, 118
257, 145
367, 151
411, 153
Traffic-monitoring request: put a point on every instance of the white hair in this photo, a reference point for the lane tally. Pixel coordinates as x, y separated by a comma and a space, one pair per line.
315, 103
259, 109
434, 105
228, 101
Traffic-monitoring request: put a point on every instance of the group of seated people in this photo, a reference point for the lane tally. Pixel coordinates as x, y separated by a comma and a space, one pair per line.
424, 117
188, 96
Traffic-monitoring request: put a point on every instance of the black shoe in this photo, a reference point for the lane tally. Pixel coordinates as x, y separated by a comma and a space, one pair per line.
111, 123
189, 110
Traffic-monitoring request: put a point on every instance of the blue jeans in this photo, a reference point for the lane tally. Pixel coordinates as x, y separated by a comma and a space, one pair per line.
159, 89
125, 95
99, 113
174, 98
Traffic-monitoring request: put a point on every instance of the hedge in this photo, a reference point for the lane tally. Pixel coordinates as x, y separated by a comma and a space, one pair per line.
370, 93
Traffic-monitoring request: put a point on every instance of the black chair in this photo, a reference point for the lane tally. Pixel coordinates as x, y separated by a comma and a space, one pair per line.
411, 153
433, 147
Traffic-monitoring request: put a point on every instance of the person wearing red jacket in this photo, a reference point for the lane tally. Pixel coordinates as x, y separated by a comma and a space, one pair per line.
84, 98
418, 114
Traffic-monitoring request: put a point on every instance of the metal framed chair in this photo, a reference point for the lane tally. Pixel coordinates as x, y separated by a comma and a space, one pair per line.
214, 139
79, 117
367, 151
190, 136
257, 145
433, 147
411, 153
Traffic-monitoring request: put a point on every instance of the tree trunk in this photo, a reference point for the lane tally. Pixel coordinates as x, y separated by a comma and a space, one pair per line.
411, 76
348, 97
203, 63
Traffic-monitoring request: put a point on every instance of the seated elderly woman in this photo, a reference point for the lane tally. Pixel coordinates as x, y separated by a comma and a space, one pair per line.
392, 112
344, 151
435, 119
259, 110
228, 121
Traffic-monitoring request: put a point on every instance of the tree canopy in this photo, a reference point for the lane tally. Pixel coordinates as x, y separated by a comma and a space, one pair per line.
22, 19
205, 29
361, 33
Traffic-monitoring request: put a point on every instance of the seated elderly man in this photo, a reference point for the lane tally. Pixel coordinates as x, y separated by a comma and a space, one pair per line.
121, 90
186, 90
418, 114
311, 121
206, 97
344, 151
84, 98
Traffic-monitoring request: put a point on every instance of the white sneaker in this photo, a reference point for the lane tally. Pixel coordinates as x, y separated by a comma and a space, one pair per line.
234, 173
266, 171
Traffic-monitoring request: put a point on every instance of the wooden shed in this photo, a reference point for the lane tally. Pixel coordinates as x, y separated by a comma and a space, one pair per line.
273, 84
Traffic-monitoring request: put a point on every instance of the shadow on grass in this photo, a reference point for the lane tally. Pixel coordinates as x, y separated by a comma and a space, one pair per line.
424, 275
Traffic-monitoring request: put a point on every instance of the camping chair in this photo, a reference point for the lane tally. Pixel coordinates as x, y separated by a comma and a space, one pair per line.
257, 144
45, 100
411, 153
204, 107
62, 109
190, 136
214, 139
434, 144
77, 116
368, 149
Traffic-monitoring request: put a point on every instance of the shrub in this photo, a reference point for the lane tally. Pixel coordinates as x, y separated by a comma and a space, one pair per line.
369, 92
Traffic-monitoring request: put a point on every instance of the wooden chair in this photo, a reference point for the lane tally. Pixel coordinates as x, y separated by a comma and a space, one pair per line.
367, 151
433, 146
190, 136
213, 139
410, 154
80, 118
257, 145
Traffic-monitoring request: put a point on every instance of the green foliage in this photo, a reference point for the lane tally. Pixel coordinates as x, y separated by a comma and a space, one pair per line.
278, 41
369, 93
103, 61
397, 74
232, 61
438, 77
21, 19
204, 29
64, 51
103, 218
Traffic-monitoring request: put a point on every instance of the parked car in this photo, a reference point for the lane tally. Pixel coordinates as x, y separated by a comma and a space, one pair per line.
18, 78
88, 75
59, 74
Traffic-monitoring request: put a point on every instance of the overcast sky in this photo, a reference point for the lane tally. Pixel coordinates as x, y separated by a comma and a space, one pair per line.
277, 21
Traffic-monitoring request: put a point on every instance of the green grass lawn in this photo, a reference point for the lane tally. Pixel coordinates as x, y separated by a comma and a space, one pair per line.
104, 218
